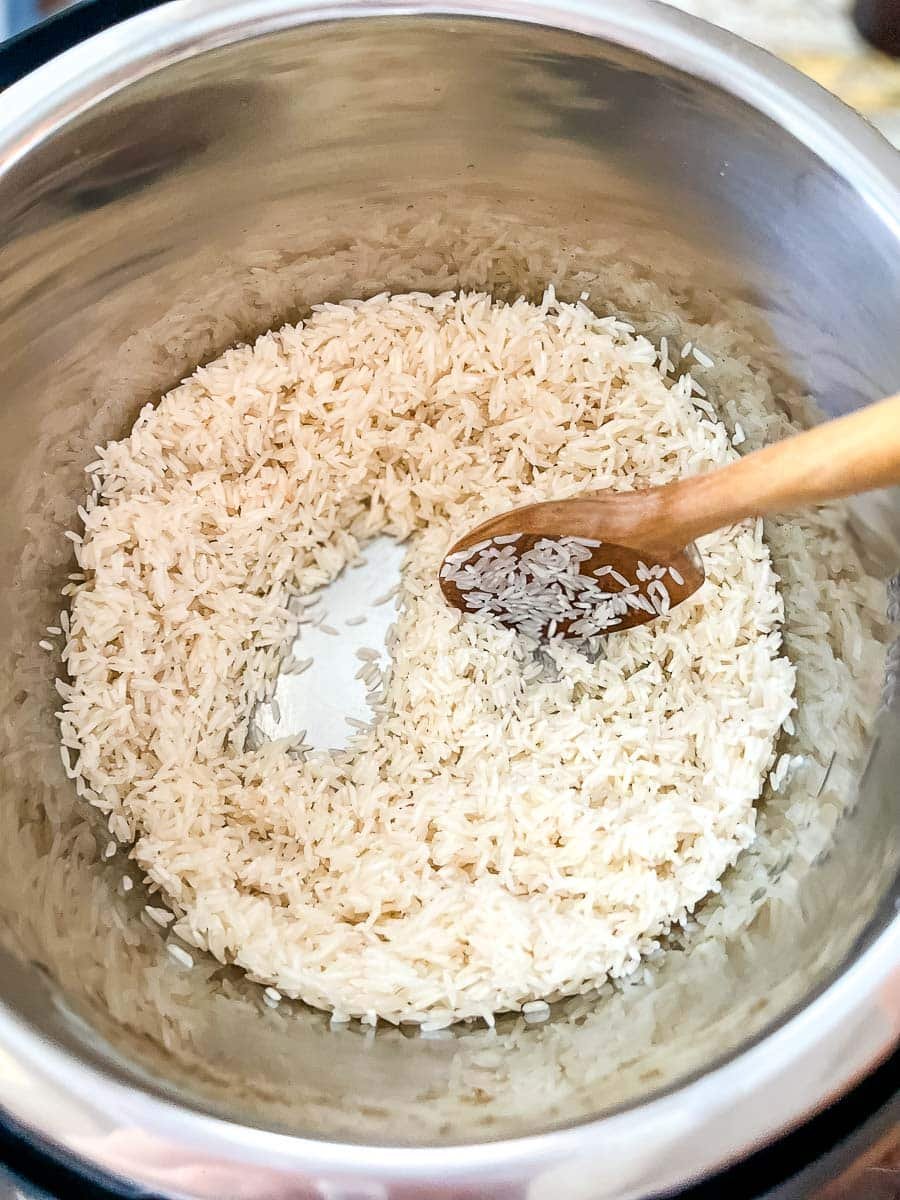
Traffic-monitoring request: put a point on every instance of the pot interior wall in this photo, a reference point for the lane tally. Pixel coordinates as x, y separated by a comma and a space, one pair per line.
218, 196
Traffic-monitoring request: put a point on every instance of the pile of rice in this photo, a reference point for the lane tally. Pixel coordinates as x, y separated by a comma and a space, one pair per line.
551, 587
517, 824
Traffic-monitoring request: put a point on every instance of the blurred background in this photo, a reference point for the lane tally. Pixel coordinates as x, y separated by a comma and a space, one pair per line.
819, 36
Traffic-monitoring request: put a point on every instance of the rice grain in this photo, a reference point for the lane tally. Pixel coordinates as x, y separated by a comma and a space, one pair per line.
542, 829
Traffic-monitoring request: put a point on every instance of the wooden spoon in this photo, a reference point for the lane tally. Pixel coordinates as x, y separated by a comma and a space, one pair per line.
640, 544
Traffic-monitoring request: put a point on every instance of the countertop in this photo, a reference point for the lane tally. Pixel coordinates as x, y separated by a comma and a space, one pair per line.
818, 37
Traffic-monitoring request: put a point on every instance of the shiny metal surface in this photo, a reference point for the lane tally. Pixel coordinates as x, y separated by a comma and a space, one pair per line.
193, 176
320, 702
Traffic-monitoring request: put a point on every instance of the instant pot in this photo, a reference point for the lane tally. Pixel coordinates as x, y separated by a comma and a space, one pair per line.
189, 176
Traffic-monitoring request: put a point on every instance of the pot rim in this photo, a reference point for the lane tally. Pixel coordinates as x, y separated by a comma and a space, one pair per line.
693, 1128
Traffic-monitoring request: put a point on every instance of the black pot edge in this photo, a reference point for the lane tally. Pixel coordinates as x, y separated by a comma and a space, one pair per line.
33, 47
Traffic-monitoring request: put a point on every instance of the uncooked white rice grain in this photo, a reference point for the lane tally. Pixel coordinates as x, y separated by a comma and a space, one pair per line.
536, 1016
466, 724
180, 955
160, 916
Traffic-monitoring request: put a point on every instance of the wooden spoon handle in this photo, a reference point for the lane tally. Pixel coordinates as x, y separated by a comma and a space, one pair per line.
839, 458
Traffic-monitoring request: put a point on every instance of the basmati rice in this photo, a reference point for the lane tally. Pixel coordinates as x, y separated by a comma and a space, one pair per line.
497, 837
179, 954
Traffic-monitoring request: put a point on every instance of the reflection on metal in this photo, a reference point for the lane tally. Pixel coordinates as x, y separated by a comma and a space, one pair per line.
353, 615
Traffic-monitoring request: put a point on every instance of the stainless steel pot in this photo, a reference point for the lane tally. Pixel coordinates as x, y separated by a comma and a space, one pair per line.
203, 170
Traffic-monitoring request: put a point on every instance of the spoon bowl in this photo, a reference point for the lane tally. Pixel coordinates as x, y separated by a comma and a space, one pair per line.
590, 586
606, 561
